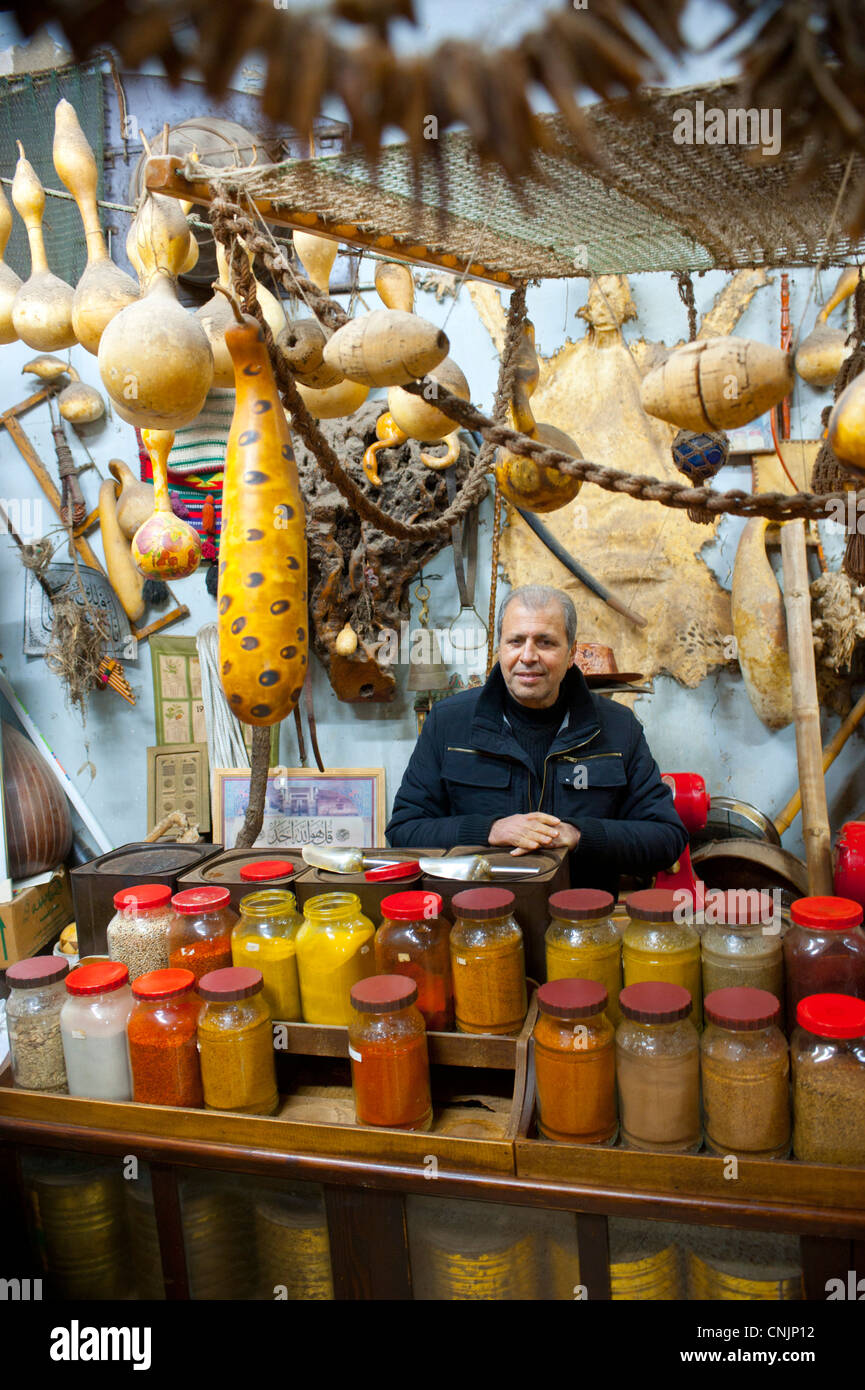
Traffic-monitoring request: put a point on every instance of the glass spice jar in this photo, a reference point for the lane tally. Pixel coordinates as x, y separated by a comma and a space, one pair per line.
265, 939
387, 1045
658, 1069
413, 940
488, 962
741, 943
138, 932
824, 950
575, 1062
37, 995
583, 942
235, 1039
93, 1028
199, 938
335, 949
163, 1039
660, 944
745, 1074
828, 1055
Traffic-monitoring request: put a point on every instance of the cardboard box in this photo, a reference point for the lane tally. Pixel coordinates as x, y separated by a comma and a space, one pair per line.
34, 918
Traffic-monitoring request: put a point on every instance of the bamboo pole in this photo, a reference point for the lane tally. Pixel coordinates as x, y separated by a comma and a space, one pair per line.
786, 817
806, 710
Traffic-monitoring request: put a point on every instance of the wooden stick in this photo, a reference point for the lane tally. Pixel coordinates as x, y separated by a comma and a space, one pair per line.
806, 710
830, 753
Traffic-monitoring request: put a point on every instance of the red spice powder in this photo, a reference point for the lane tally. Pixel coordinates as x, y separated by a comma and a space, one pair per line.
163, 1054
391, 1084
210, 953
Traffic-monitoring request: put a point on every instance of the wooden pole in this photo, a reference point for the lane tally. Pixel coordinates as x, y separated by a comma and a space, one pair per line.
806, 710
786, 817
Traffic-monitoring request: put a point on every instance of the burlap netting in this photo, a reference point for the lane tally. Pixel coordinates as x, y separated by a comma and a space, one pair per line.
654, 205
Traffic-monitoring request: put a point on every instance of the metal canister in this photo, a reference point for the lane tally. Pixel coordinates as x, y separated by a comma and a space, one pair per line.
293, 1248
716, 1281
79, 1223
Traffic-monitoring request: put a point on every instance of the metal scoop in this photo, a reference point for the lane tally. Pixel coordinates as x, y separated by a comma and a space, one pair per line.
468, 868
343, 861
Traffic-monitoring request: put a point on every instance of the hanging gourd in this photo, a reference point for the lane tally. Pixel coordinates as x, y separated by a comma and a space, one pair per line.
301, 346
215, 316
317, 255
262, 591
395, 285
847, 425
717, 383
78, 403
333, 401
42, 310
819, 356
164, 546
126, 581
386, 348
523, 481
10, 283
388, 434
271, 307
104, 289
137, 500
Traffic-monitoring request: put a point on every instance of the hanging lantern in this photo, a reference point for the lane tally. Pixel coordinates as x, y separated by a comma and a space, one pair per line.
699, 456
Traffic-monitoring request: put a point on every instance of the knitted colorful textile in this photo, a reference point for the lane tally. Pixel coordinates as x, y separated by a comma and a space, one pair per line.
196, 467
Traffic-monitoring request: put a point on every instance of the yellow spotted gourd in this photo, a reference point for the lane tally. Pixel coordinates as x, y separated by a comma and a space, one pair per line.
262, 568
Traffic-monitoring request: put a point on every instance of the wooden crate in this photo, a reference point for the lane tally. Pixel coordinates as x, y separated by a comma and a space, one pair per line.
478, 1096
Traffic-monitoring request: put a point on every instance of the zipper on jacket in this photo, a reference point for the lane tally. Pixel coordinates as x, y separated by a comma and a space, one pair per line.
572, 760
566, 759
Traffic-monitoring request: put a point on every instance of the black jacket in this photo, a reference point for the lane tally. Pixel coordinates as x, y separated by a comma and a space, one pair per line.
468, 770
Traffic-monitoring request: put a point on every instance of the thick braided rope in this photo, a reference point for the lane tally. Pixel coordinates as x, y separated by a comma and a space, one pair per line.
777, 506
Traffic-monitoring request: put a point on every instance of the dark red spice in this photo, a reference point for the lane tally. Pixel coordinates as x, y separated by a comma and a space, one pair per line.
202, 956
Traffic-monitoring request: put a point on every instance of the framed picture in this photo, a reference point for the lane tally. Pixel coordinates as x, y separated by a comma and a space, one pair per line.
341, 807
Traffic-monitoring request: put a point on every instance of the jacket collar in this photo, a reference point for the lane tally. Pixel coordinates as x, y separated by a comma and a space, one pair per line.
489, 729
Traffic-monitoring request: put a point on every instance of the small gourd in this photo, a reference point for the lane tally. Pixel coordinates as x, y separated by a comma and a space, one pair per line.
717, 383
271, 307
301, 345
137, 500
388, 434
317, 255
46, 368
523, 481
847, 425
262, 596
387, 347
420, 417
847, 282
333, 401
10, 283
215, 316
395, 285
104, 289
819, 356
164, 546
155, 360
42, 310
345, 643
159, 239
126, 581
78, 403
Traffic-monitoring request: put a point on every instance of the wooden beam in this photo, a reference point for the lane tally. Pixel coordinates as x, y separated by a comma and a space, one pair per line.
162, 175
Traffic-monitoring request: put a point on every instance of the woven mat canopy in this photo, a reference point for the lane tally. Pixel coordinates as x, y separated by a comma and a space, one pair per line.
652, 205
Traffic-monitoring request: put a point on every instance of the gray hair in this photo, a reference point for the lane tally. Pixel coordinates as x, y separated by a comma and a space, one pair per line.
535, 596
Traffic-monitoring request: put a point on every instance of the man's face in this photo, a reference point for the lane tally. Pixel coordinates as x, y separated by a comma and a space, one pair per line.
534, 653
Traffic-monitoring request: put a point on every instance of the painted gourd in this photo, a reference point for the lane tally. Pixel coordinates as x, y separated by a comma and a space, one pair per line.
524, 482
10, 283
847, 425
717, 383
104, 289
386, 348
42, 311
262, 569
164, 546
155, 360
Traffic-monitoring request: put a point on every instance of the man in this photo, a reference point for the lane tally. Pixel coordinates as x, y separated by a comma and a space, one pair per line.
535, 759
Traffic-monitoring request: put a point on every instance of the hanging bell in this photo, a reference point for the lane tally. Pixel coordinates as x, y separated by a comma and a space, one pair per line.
699, 455
428, 675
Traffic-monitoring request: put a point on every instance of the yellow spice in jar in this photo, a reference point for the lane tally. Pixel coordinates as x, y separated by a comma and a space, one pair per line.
328, 965
276, 958
237, 1065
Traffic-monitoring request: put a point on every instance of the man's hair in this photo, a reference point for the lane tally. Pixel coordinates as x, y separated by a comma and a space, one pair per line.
535, 596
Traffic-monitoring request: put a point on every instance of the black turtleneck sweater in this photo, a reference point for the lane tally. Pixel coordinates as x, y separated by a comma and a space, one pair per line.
535, 729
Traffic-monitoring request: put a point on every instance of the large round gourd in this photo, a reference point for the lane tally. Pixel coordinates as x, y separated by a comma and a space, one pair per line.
420, 418
10, 283
38, 824
155, 360
386, 348
42, 311
333, 402
262, 591
104, 289
717, 383
533, 486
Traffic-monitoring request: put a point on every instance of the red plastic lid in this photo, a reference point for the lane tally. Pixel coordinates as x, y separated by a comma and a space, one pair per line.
483, 902
408, 869
581, 904
742, 1008
163, 984
232, 982
264, 869
411, 907
738, 907
36, 971
380, 993
572, 998
97, 979
205, 899
654, 1002
143, 895
826, 914
653, 905
832, 1015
